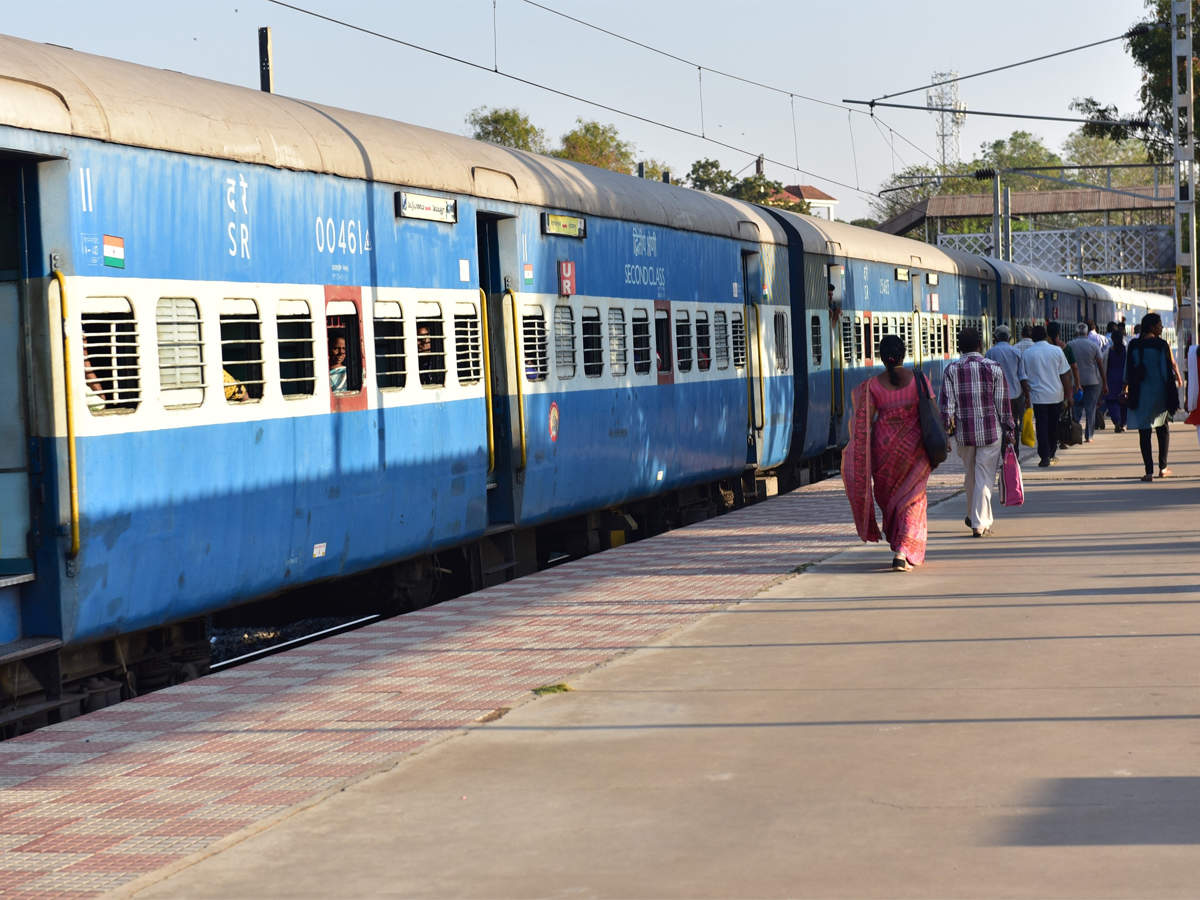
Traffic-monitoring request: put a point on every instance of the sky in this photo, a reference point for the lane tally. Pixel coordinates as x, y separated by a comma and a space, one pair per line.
827, 50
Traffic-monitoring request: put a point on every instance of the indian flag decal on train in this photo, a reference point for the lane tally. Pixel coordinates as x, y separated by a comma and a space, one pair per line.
114, 251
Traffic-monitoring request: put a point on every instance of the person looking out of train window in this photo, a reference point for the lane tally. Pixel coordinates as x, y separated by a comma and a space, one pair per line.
235, 391
96, 398
338, 376
1008, 358
976, 410
885, 460
1089, 367
427, 359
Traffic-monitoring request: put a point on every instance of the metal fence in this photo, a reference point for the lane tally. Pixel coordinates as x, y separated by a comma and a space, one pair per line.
1092, 251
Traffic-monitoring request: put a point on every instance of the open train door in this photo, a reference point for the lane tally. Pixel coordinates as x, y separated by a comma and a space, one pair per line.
836, 288
15, 562
506, 456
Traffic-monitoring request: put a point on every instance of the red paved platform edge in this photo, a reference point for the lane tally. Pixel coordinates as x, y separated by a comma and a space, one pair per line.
119, 798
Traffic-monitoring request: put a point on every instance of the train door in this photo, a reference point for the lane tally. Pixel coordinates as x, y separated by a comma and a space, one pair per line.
15, 562
755, 385
837, 356
497, 305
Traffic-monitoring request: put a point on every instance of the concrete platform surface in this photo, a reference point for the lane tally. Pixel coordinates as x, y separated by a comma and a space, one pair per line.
1018, 718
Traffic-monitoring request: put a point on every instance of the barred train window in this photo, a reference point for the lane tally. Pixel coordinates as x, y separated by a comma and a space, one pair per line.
297, 373
564, 342
467, 347
739, 341
662, 339
683, 340
722, 343
343, 336
816, 340
110, 355
618, 354
703, 342
593, 343
641, 342
241, 350
782, 357
180, 352
533, 337
847, 341
390, 370
431, 345
858, 340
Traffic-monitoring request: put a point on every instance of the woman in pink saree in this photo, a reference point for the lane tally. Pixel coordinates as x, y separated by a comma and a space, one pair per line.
885, 448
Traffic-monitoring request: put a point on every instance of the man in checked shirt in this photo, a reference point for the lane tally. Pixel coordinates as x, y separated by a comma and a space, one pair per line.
976, 409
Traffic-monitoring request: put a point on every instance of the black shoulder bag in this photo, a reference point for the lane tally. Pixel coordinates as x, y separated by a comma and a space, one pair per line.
933, 433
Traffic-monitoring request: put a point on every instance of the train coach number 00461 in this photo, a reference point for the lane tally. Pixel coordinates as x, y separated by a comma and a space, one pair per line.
345, 235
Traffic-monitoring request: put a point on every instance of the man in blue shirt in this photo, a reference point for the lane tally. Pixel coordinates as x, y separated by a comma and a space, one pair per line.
1008, 358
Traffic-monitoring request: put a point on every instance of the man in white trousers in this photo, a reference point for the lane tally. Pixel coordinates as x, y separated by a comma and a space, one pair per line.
976, 408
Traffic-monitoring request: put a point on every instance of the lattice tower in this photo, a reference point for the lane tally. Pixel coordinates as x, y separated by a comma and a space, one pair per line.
950, 111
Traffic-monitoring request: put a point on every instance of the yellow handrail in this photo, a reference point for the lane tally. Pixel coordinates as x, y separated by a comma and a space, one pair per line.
72, 467
762, 384
520, 378
487, 380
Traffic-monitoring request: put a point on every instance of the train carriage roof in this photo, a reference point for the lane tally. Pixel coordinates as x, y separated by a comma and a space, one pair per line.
971, 264
1016, 274
841, 239
61, 91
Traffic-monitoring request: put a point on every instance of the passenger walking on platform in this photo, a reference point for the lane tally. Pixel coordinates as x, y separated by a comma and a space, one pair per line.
1026, 340
1193, 387
1090, 368
1152, 385
1008, 358
885, 459
1114, 372
976, 410
1049, 382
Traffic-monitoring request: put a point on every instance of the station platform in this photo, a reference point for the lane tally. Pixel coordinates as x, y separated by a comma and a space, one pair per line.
758, 706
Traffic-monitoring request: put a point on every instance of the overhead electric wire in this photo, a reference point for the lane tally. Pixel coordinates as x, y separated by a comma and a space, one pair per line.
1130, 123
561, 93
729, 75
1139, 29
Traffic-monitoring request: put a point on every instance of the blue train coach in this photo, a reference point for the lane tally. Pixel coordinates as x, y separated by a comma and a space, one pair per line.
253, 343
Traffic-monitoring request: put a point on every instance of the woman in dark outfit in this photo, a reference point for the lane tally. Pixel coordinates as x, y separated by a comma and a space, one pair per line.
1152, 391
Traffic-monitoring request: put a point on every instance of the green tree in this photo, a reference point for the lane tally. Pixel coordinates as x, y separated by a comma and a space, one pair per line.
708, 175
597, 145
508, 127
1084, 149
1149, 45
1019, 150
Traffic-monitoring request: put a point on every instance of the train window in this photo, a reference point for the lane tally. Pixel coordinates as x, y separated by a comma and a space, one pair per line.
593, 342
815, 339
847, 341
533, 339
662, 339
618, 354
241, 350
110, 355
343, 339
641, 342
781, 342
468, 352
683, 340
431, 345
564, 342
180, 352
926, 352
857, 353
703, 342
297, 375
947, 343
389, 345
722, 340
738, 327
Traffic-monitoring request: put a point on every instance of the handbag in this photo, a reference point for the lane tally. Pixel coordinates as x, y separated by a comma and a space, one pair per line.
1012, 488
933, 433
1028, 432
1070, 432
